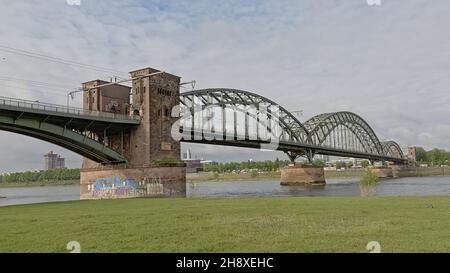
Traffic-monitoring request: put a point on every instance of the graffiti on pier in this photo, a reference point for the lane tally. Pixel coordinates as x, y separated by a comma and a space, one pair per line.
117, 187
113, 187
154, 186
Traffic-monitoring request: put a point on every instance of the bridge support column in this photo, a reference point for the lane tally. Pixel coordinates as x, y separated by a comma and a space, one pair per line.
396, 170
298, 175
120, 182
383, 172
293, 156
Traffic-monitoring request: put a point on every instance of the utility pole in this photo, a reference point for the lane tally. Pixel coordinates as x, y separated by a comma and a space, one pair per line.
71, 95
192, 83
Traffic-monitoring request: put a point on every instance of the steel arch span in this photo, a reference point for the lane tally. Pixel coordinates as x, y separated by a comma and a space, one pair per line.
243, 102
218, 116
392, 149
344, 130
340, 134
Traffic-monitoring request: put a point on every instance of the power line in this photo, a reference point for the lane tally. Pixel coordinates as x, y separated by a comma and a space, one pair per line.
33, 90
58, 60
37, 83
40, 86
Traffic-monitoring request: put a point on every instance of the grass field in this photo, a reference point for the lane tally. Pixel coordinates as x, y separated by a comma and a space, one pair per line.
400, 224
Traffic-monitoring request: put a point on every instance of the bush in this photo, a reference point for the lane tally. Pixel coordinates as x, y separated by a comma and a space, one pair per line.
167, 161
367, 183
216, 175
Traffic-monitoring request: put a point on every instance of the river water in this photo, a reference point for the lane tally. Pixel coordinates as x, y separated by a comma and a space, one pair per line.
411, 186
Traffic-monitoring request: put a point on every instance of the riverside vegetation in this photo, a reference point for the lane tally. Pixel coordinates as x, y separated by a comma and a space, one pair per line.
43, 178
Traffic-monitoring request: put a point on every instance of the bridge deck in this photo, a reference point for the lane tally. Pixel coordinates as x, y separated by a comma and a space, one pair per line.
54, 110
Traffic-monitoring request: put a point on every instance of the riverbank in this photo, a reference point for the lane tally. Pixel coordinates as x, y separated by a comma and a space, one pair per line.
352, 173
40, 184
210, 177
399, 224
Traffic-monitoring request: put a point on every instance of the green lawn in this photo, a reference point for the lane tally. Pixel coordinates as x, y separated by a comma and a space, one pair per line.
400, 224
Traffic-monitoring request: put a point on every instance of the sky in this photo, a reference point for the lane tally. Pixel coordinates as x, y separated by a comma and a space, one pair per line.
388, 63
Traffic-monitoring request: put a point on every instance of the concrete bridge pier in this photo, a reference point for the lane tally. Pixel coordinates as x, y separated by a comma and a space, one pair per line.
383, 172
297, 175
396, 170
302, 175
116, 182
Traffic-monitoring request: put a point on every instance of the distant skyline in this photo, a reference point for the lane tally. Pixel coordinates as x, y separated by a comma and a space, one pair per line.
387, 63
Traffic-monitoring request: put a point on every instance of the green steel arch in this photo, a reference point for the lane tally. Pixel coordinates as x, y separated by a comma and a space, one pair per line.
340, 133
393, 149
293, 129
344, 125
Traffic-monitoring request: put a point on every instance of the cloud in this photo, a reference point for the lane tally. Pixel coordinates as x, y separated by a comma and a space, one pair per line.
387, 63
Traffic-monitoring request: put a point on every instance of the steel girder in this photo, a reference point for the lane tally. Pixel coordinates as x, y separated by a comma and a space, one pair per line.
61, 136
343, 129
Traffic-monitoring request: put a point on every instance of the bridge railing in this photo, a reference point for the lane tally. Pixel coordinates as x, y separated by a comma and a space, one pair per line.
36, 105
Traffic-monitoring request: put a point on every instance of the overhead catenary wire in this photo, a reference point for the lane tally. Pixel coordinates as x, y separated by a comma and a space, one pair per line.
33, 90
36, 83
49, 58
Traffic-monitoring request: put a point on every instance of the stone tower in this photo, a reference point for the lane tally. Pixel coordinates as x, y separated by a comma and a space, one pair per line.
153, 99
154, 166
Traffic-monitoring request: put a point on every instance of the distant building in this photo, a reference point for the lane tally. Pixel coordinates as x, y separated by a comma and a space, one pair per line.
192, 165
412, 154
53, 161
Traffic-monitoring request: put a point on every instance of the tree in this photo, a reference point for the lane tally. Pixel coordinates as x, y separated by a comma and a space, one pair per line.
339, 165
318, 163
421, 155
365, 163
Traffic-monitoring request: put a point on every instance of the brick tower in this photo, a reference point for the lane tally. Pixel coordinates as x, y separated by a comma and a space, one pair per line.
153, 99
154, 166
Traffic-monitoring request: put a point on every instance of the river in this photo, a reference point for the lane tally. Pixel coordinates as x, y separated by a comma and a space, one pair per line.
411, 186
